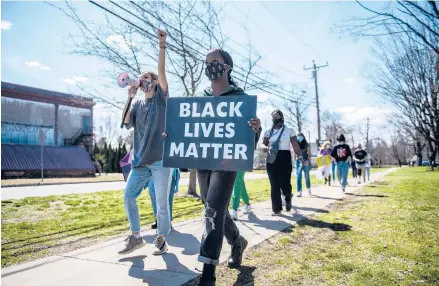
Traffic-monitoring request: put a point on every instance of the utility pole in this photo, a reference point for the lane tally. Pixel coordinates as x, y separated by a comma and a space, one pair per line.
315, 68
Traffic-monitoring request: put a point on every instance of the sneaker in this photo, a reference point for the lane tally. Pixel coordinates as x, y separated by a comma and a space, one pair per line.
309, 192
234, 215
154, 225
359, 182
288, 207
132, 243
299, 194
235, 258
161, 247
277, 213
247, 209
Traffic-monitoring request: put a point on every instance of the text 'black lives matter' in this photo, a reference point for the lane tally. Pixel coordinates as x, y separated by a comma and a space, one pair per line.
210, 133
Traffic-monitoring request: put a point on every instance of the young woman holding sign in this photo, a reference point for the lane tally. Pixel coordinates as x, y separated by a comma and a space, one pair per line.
277, 142
147, 117
216, 187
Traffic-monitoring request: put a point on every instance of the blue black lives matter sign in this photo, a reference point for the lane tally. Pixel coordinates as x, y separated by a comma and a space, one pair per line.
210, 133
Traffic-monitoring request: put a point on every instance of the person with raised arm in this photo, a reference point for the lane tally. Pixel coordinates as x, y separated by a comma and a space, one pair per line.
147, 117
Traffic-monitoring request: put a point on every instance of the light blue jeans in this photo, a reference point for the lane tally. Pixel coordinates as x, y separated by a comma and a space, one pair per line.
342, 174
136, 181
151, 191
305, 169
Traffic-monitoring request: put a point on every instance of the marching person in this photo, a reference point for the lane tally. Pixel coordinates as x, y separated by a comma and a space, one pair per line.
341, 154
240, 192
368, 165
360, 161
147, 117
324, 158
303, 165
216, 187
277, 142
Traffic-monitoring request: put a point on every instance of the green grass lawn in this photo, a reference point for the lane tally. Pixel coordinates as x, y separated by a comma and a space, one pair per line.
385, 234
37, 227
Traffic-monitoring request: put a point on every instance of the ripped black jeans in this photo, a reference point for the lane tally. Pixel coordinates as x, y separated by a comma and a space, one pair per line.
216, 189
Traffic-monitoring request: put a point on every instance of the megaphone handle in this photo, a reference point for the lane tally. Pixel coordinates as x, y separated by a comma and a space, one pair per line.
126, 112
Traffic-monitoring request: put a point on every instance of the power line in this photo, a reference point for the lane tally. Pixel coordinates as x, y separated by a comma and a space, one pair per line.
270, 89
288, 29
194, 41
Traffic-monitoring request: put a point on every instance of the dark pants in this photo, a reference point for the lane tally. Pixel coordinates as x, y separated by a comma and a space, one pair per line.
279, 174
216, 189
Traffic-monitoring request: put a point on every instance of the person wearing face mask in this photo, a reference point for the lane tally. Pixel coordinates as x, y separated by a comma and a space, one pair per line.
325, 162
303, 166
342, 155
360, 156
277, 142
147, 117
216, 187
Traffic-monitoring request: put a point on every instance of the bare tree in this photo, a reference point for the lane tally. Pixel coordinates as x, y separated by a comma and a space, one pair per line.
332, 125
417, 20
407, 77
296, 109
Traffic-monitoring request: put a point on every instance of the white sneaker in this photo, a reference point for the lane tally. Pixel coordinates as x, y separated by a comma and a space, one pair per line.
234, 214
299, 194
309, 192
247, 209
160, 245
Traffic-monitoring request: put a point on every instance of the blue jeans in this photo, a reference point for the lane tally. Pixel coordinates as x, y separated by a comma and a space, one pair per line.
136, 181
342, 174
151, 191
333, 170
305, 169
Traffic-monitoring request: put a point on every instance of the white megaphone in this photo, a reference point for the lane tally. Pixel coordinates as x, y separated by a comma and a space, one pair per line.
123, 80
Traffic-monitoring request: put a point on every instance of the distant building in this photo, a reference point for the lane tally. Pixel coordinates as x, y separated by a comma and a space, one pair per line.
67, 123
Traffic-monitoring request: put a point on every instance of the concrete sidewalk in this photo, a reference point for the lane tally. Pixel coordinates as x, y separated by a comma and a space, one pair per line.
101, 265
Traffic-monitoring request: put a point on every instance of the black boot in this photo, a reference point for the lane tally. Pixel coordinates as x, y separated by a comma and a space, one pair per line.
238, 248
329, 180
326, 180
288, 206
208, 277
154, 225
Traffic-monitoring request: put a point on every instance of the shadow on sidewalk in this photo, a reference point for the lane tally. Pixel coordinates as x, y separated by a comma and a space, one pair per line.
157, 276
323, 224
268, 224
187, 241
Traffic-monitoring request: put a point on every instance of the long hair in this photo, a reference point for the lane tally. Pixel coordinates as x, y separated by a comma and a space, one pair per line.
228, 61
303, 144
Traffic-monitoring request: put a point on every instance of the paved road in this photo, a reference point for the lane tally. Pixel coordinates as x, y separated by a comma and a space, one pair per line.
64, 189
101, 265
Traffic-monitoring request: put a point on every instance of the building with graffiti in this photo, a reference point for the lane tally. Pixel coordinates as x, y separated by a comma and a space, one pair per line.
66, 122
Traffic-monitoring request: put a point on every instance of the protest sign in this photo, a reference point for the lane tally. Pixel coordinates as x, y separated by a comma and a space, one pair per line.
210, 133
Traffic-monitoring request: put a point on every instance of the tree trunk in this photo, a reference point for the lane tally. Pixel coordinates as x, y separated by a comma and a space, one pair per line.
419, 159
192, 189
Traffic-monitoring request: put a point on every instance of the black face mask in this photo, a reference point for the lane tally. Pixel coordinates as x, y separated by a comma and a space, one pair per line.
276, 121
214, 70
